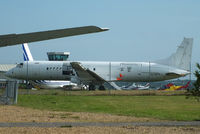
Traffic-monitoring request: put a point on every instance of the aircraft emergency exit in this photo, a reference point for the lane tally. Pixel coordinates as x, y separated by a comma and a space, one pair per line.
97, 73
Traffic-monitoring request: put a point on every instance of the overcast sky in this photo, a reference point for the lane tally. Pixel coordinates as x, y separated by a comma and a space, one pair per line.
140, 30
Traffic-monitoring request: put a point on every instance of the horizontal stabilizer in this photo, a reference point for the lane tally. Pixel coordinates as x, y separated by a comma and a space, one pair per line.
13, 39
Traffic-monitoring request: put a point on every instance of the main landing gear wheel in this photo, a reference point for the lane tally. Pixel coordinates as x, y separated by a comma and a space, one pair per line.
91, 87
101, 87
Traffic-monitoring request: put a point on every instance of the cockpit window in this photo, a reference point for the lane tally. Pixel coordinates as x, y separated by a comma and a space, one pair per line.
20, 65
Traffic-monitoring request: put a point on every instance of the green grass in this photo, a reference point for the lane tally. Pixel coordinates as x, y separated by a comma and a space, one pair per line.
160, 107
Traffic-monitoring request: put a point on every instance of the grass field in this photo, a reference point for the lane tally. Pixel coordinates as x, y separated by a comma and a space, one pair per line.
160, 107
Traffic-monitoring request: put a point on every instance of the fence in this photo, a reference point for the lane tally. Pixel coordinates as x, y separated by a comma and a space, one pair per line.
9, 95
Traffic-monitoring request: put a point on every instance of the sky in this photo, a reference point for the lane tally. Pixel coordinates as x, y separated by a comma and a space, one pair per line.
140, 30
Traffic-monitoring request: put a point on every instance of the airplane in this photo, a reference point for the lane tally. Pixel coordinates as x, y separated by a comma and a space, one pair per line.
14, 39
136, 87
94, 73
47, 84
172, 87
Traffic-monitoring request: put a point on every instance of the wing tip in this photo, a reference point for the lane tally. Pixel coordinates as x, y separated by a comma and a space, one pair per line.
100, 28
105, 29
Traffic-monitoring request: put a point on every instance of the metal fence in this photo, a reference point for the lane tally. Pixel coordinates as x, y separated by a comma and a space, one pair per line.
10, 93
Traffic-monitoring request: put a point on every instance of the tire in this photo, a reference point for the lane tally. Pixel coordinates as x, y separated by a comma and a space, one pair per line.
91, 87
101, 87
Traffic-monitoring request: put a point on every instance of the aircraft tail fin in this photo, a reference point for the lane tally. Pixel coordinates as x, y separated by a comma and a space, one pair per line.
26, 52
182, 58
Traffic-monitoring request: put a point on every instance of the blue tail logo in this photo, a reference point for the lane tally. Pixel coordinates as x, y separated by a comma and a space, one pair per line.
26, 52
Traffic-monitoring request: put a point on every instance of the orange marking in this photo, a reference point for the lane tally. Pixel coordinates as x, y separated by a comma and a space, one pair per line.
119, 79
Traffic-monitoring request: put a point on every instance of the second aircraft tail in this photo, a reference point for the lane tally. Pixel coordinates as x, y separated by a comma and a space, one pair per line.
26, 52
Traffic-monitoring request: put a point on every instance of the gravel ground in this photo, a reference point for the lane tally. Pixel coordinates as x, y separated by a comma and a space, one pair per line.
100, 124
21, 114
104, 130
12, 114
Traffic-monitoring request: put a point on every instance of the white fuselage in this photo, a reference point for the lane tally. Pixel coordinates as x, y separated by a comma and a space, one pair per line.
109, 71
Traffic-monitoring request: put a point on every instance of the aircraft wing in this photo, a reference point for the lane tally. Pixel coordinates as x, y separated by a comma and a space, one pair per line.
85, 74
13, 39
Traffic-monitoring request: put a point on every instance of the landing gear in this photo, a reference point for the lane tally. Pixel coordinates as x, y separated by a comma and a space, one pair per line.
91, 87
101, 87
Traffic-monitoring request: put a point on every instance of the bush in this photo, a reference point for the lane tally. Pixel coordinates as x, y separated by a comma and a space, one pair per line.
195, 92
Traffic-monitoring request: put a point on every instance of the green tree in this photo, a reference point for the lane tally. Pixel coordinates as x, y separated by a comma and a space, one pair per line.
195, 92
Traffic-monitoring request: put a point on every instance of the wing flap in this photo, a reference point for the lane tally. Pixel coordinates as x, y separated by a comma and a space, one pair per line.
13, 39
85, 74
94, 75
